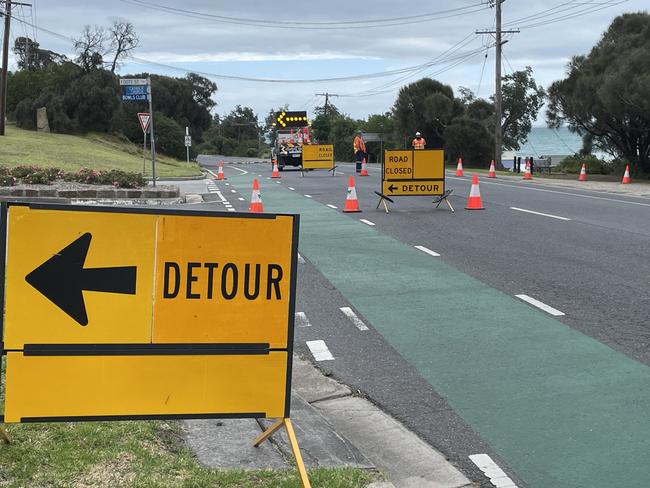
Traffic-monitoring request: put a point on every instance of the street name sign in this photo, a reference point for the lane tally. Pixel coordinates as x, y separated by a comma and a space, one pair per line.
134, 89
317, 156
413, 173
116, 314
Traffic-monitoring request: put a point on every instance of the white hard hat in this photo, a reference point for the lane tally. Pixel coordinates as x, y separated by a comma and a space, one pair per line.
418, 134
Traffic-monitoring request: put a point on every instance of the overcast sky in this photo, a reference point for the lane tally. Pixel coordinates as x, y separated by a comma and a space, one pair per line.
208, 46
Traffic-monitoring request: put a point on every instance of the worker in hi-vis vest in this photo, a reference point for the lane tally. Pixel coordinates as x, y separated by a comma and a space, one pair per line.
359, 150
418, 142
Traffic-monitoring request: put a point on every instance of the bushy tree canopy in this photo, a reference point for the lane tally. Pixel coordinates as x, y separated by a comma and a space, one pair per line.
606, 94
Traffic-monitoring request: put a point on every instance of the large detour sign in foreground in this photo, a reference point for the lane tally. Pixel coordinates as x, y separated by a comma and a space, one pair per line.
411, 173
113, 314
318, 156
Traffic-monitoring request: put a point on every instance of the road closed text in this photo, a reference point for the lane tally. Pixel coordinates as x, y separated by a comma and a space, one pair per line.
227, 281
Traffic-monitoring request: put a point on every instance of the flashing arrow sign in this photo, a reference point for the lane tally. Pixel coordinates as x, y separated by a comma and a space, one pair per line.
62, 279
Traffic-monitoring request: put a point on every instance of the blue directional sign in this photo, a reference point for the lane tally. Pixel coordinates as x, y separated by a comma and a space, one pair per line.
134, 93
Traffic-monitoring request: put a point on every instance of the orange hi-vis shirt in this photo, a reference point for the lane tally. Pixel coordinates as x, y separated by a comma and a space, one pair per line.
359, 145
419, 143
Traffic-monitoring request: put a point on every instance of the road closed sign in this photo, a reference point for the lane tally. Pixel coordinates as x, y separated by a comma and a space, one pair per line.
413, 173
317, 156
117, 314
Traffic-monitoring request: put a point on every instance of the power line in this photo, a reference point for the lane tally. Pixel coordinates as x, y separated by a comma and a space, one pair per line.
306, 25
480, 81
580, 13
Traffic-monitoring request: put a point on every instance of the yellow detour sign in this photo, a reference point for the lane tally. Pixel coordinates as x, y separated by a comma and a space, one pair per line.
317, 156
118, 314
411, 172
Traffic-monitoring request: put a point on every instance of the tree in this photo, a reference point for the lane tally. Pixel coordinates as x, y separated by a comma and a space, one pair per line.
606, 94
426, 106
522, 99
241, 124
123, 40
30, 56
90, 47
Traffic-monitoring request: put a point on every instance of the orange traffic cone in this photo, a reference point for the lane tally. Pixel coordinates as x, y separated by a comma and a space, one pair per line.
351, 202
626, 176
459, 168
220, 175
474, 201
492, 173
364, 168
256, 205
527, 174
276, 172
583, 173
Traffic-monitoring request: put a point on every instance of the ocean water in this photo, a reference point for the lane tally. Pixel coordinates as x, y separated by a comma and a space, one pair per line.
543, 141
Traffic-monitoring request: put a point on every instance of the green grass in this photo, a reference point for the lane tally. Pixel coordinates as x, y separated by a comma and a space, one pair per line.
70, 153
134, 454
143, 454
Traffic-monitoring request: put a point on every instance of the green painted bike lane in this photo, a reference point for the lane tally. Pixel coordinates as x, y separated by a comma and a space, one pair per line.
562, 409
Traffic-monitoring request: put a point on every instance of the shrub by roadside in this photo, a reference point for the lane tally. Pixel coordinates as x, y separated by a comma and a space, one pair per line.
33, 175
573, 164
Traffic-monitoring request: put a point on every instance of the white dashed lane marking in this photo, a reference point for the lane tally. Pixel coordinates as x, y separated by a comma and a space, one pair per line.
557, 217
332, 206
358, 323
308, 196
367, 222
542, 306
428, 251
320, 351
490, 469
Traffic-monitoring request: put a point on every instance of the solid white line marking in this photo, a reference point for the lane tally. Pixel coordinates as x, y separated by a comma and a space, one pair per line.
349, 313
292, 189
332, 206
320, 350
483, 182
428, 251
302, 320
221, 196
241, 199
213, 174
367, 222
308, 196
492, 470
550, 310
540, 213
301, 260
244, 172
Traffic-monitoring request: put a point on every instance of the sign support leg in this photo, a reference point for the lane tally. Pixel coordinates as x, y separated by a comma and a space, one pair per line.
4, 435
300, 465
449, 204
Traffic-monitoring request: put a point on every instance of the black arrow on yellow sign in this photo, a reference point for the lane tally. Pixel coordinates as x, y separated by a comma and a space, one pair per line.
392, 188
62, 279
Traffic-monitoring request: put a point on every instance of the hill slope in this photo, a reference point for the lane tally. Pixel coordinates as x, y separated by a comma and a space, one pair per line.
96, 151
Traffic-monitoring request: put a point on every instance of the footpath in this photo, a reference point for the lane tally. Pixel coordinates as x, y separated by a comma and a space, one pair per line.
335, 428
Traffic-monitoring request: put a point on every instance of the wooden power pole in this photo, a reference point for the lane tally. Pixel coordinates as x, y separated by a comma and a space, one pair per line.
498, 96
327, 99
5, 62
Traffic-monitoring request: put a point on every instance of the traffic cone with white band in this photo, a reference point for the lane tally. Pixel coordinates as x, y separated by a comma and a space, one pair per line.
527, 174
220, 175
364, 168
474, 201
256, 205
492, 173
626, 176
459, 168
276, 172
583, 173
351, 202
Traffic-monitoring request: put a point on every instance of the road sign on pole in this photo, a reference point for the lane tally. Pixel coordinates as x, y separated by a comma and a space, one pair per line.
139, 89
124, 314
145, 121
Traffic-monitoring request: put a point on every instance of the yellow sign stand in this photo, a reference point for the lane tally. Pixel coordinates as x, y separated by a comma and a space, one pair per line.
135, 314
318, 156
413, 173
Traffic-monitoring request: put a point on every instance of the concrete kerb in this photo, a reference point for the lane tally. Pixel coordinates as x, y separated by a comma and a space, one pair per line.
334, 429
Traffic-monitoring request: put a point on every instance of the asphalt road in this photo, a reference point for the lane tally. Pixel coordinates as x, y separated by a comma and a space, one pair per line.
583, 258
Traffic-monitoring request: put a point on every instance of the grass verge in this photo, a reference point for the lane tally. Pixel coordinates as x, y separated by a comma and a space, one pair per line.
71, 152
135, 455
